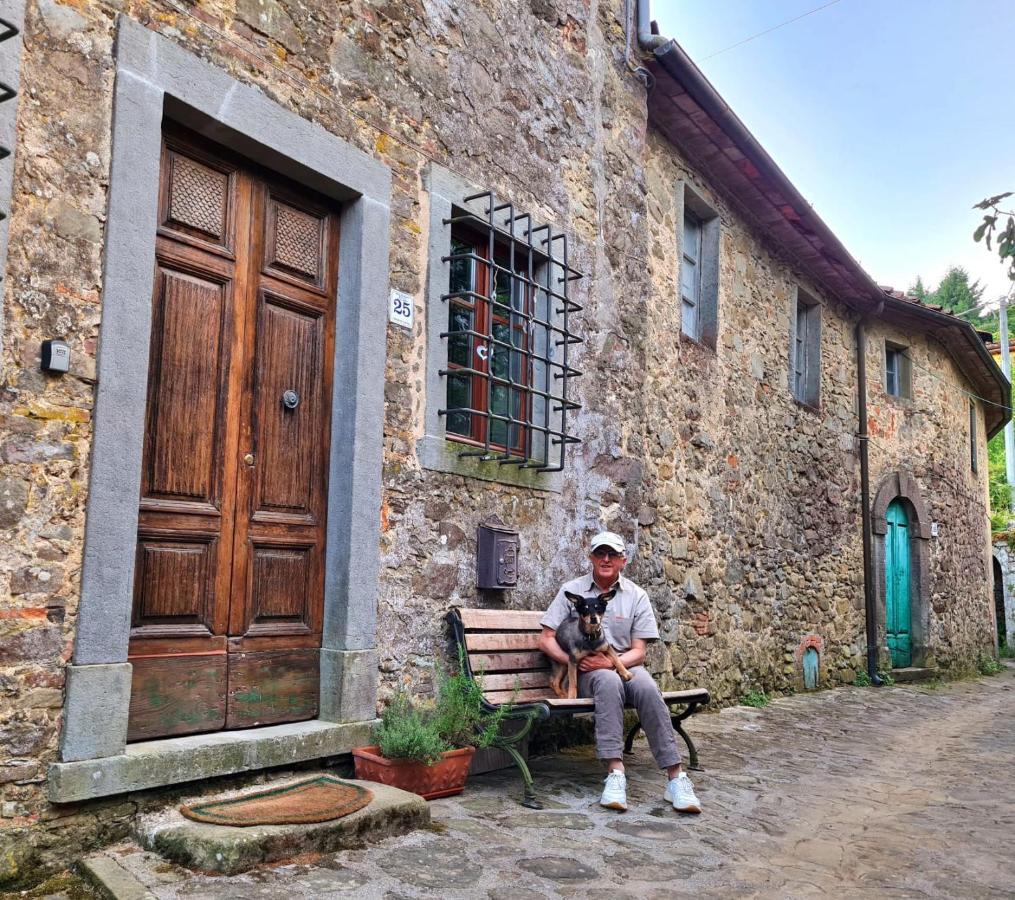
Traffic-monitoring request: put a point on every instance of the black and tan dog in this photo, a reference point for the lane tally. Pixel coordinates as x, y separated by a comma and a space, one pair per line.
582, 637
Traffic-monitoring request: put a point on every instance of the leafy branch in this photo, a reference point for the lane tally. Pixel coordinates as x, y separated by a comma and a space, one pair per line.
1004, 235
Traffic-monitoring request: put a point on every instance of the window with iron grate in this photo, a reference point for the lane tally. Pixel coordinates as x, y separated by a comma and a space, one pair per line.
506, 393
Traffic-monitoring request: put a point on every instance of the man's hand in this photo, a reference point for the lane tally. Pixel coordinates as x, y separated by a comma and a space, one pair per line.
594, 661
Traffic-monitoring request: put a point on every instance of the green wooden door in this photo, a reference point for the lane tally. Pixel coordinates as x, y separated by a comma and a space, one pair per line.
897, 619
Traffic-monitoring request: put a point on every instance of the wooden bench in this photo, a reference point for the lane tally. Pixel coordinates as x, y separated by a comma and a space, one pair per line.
502, 648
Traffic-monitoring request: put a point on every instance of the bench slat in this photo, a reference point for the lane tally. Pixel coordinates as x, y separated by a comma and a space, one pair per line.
502, 619
497, 697
584, 703
507, 662
699, 694
507, 682
521, 640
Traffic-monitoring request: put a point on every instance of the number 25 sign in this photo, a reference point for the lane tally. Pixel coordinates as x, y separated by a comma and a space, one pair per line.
400, 309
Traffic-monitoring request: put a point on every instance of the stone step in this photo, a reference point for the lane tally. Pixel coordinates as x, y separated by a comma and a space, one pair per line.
911, 674
230, 850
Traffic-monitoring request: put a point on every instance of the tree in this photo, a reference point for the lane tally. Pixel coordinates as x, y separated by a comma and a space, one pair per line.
955, 294
919, 291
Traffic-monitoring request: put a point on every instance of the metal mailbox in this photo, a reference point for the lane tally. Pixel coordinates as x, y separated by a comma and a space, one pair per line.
496, 557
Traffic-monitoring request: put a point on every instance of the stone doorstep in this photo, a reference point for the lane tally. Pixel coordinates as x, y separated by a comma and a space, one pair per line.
912, 674
230, 850
152, 764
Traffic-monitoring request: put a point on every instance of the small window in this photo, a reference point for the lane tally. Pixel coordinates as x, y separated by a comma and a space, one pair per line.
699, 269
898, 378
805, 351
972, 435
690, 278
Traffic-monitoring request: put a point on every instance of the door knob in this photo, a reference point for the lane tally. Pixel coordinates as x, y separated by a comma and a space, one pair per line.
248, 458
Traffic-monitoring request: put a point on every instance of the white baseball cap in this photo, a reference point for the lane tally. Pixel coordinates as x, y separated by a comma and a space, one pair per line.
608, 539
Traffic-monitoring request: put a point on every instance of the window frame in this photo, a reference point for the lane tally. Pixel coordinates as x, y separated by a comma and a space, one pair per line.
691, 204
805, 349
903, 373
973, 461
436, 450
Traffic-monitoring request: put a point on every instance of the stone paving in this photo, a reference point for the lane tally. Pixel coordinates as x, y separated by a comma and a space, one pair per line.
856, 792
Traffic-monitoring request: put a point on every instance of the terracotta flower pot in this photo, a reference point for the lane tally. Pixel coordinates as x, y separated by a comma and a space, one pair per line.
444, 778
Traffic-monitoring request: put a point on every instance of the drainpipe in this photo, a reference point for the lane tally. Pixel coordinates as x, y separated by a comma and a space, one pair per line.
647, 40
865, 503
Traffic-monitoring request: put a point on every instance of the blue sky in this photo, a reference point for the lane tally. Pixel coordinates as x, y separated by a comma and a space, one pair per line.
892, 117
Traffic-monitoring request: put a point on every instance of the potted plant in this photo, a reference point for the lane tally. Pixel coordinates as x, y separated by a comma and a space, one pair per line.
427, 746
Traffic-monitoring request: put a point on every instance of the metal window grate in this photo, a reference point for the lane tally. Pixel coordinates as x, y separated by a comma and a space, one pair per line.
532, 261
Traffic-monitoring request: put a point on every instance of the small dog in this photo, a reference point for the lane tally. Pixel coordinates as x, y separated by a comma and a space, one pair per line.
582, 637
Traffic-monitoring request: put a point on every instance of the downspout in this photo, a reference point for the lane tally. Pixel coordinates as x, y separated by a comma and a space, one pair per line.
647, 40
865, 505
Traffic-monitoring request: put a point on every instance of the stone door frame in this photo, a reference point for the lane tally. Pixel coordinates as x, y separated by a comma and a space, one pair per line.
902, 486
157, 78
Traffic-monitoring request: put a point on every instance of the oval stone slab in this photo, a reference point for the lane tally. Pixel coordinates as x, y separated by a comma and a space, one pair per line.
652, 830
558, 868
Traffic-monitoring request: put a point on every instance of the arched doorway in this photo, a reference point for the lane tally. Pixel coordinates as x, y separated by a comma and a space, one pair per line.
898, 616
907, 538
1002, 625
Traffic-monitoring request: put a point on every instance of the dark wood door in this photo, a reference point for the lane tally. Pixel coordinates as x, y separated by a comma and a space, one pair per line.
229, 573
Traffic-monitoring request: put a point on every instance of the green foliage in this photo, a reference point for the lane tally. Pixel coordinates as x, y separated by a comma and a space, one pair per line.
919, 291
1003, 233
886, 677
408, 731
423, 730
988, 665
862, 679
459, 713
1006, 651
755, 698
955, 294
999, 493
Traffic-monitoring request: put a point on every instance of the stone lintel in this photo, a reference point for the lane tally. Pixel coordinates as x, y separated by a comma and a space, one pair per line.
348, 685
151, 764
95, 711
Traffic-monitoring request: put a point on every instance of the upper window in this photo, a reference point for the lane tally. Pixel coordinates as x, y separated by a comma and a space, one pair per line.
805, 350
690, 278
699, 269
972, 435
500, 343
898, 371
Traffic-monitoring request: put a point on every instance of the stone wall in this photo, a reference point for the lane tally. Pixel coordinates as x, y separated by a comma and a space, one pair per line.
742, 505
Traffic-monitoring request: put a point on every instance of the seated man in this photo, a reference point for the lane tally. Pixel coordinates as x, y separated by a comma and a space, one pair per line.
629, 624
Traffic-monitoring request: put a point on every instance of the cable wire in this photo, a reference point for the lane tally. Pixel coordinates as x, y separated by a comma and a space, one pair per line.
752, 37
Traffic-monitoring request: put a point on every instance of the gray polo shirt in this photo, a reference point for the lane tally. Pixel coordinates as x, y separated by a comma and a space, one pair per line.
628, 615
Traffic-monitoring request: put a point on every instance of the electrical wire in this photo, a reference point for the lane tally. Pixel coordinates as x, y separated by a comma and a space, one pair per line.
752, 37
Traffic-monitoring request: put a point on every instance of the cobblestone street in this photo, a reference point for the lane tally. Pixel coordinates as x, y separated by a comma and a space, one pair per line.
856, 792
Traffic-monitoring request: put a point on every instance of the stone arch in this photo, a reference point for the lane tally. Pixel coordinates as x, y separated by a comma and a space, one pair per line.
902, 486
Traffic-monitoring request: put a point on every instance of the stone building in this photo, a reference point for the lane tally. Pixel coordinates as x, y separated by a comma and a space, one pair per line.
263, 230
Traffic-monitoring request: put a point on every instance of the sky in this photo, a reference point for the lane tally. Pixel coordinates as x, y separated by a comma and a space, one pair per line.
891, 117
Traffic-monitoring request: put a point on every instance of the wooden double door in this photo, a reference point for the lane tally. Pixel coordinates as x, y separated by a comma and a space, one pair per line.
229, 572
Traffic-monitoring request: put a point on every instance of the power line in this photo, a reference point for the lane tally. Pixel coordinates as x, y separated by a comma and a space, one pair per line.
747, 40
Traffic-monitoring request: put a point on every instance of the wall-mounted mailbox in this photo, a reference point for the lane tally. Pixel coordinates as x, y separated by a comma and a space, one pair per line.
496, 557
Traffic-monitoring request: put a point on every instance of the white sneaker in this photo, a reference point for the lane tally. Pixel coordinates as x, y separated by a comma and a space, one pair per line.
680, 792
615, 792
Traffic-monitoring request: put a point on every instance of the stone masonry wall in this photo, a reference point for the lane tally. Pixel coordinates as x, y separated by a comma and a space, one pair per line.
927, 436
743, 505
